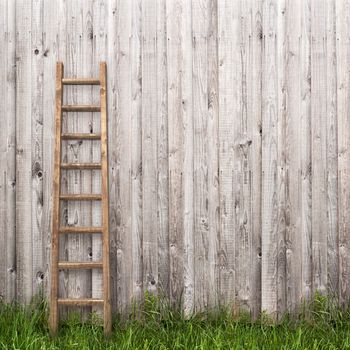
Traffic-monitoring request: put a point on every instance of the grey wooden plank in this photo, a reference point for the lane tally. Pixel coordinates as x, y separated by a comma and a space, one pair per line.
227, 23
136, 153
270, 174
162, 151
100, 24
185, 105
343, 64
213, 152
24, 252
180, 126
200, 154
319, 145
149, 146
204, 237
254, 128
242, 162
37, 143
332, 154
281, 159
7, 153
292, 155
305, 149
120, 161
79, 63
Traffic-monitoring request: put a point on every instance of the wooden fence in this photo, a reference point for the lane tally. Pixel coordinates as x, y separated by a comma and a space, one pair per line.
229, 148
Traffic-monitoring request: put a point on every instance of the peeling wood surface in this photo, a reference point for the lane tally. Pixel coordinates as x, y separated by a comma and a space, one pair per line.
229, 151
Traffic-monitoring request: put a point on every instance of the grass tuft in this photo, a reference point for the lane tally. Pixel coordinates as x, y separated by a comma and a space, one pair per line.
154, 325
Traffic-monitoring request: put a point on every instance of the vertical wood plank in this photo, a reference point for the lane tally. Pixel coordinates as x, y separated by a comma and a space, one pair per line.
79, 63
343, 105
227, 23
281, 158
243, 165
136, 152
305, 149
270, 175
149, 146
37, 143
162, 151
54, 49
100, 23
202, 281
7, 152
254, 128
319, 145
120, 156
204, 27
213, 152
24, 256
180, 140
292, 155
332, 154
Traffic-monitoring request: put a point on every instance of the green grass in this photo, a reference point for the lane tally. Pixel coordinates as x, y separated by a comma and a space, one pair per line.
324, 327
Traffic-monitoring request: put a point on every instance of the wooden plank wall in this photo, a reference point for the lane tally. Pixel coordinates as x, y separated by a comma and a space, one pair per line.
229, 149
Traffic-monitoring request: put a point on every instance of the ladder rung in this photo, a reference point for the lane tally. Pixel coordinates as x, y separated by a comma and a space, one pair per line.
80, 265
79, 136
86, 166
77, 229
81, 197
80, 108
80, 302
80, 81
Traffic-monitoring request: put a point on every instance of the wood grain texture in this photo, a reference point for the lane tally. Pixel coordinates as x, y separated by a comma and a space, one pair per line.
8, 152
270, 175
253, 129
332, 154
149, 146
79, 64
24, 247
228, 150
136, 153
203, 249
162, 150
180, 141
120, 155
305, 149
227, 23
100, 18
293, 239
343, 64
319, 145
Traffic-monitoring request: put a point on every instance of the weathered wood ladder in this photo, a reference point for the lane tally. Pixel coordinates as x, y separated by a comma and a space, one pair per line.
58, 196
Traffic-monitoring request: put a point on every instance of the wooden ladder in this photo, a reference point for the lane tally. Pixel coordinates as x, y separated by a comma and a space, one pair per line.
58, 196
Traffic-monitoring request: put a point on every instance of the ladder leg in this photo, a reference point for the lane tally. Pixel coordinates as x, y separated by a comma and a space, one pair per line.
53, 319
105, 201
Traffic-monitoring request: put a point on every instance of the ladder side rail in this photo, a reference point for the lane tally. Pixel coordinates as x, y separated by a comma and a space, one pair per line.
53, 321
105, 200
